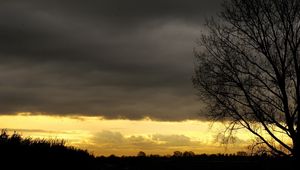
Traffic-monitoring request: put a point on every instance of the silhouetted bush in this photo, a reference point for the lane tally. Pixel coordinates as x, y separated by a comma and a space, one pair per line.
41, 153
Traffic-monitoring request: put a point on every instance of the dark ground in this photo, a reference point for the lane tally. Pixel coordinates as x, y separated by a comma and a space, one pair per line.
200, 162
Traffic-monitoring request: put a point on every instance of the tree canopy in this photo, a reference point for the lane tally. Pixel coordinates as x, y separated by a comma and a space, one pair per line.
248, 70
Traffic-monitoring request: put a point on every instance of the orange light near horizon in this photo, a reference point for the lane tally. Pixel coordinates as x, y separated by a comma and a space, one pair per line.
124, 137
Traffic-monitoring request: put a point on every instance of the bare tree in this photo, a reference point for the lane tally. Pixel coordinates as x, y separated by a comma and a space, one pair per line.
248, 70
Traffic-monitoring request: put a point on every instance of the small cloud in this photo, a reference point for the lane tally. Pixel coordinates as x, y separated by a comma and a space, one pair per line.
108, 137
173, 140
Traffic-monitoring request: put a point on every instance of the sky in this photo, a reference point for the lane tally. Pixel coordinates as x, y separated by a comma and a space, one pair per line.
114, 61
127, 137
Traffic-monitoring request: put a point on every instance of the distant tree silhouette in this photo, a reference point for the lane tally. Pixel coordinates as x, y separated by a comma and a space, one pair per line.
3, 136
141, 154
241, 153
177, 154
248, 70
188, 154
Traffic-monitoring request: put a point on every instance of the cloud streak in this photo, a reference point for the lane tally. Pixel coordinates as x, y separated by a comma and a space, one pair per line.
114, 142
109, 142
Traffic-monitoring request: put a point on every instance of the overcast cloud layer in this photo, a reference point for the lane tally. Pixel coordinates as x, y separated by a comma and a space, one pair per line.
113, 58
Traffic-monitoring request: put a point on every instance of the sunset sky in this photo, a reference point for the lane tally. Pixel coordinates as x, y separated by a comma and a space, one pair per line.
111, 76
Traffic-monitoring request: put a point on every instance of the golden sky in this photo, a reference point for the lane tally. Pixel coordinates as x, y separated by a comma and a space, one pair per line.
127, 137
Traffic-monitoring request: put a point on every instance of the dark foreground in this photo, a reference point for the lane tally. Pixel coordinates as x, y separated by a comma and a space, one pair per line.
147, 163
200, 162
19, 153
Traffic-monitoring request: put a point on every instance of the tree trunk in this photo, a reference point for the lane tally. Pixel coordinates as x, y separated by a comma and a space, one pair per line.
296, 152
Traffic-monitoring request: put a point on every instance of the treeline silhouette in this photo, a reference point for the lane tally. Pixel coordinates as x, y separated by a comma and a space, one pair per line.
17, 152
197, 162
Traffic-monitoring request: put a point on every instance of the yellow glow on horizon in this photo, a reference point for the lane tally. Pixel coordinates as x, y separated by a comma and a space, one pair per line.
122, 137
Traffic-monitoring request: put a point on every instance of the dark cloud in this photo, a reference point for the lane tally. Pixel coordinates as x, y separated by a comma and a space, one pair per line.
129, 11
112, 58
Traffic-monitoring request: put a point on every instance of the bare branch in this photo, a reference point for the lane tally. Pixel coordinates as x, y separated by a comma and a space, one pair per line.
249, 71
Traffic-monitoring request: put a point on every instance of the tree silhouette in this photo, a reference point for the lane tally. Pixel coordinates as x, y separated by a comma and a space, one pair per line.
177, 154
141, 154
248, 70
188, 154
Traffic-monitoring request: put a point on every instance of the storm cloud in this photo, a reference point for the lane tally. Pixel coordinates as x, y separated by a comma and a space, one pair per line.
112, 58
